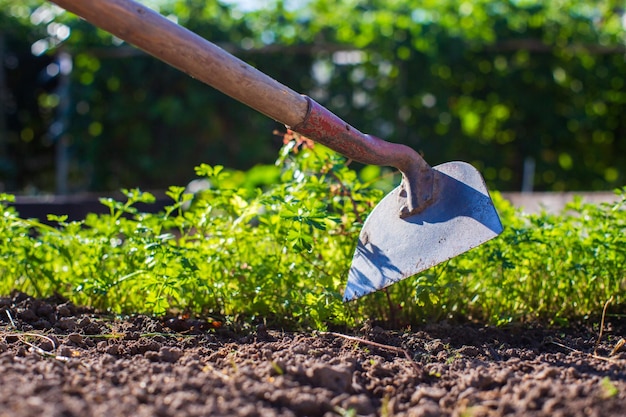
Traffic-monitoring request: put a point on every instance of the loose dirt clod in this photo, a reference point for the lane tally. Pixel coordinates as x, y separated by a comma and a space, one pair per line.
139, 366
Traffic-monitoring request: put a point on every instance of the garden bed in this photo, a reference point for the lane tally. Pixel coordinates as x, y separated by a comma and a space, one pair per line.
59, 360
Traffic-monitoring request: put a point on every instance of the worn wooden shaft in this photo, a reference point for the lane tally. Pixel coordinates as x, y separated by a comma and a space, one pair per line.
192, 54
201, 59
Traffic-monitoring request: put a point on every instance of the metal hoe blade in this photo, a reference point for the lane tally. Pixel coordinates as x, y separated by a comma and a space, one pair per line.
391, 248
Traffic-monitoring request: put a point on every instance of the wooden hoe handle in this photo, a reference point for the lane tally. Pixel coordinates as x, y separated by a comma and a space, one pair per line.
203, 60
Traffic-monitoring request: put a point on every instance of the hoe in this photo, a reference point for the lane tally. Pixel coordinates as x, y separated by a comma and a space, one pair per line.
435, 214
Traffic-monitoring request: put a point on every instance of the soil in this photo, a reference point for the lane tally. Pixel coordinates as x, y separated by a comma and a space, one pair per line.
60, 360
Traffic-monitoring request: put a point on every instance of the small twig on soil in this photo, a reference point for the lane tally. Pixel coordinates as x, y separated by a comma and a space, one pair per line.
10, 318
20, 334
375, 344
618, 346
595, 355
45, 353
606, 305
37, 349
591, 355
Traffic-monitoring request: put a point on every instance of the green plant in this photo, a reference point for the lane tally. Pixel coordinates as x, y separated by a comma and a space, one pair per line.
280, 253
276, 254
549, 266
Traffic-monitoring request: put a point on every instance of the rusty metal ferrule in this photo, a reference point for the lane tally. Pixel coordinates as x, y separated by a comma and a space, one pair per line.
321, 125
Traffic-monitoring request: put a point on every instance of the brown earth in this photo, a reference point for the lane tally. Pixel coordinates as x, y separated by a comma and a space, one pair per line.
59, 360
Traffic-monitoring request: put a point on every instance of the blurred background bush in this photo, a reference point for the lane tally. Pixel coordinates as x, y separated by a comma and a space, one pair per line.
532, 93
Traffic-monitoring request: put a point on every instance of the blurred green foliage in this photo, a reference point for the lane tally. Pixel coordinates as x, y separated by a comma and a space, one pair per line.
496, 83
